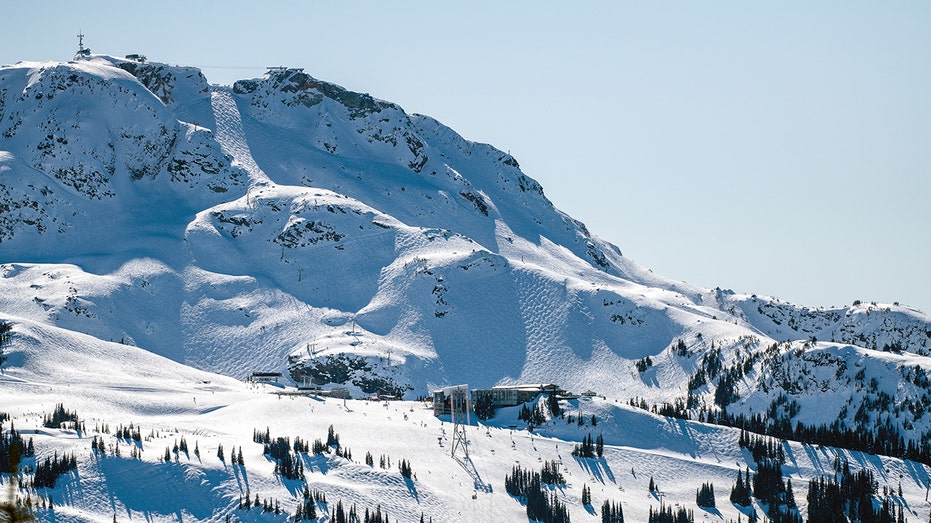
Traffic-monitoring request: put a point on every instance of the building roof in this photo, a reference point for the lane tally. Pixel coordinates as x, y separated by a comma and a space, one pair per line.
527, 386
452, 388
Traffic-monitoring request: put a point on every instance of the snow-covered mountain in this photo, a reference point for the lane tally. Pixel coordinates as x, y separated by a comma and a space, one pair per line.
160, 441
289, 224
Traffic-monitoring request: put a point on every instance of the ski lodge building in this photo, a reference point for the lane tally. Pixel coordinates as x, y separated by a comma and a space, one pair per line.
501, 395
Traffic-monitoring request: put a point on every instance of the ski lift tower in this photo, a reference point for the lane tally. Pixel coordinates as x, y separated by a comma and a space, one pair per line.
459, 407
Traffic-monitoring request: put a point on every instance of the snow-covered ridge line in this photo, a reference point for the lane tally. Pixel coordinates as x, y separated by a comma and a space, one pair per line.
288, 224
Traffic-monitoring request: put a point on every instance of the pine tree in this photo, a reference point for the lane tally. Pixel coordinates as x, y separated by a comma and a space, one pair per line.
405, 468
611, 512
484, 407
740, 492
220, 453
332, 438
340, 514
553, 403
704, 497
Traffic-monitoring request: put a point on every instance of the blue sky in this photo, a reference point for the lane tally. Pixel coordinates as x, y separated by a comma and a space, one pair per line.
782, 148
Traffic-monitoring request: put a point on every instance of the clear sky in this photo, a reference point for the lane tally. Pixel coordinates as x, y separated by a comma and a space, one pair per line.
782, 148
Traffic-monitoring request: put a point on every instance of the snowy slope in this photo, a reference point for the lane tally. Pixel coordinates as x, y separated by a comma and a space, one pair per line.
284, 222
111, 385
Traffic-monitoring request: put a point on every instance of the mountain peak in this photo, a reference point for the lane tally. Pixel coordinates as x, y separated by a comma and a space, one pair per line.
256, 225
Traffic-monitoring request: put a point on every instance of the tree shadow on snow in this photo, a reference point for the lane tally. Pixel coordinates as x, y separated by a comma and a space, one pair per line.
242, 479
163, 489
713, 511
69, 488
815, 457
412, 489
918, 473
598, 468
316, 463
690, 438
790, 458
746, 511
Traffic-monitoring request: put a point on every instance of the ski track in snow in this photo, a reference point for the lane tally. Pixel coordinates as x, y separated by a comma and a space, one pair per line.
232, 136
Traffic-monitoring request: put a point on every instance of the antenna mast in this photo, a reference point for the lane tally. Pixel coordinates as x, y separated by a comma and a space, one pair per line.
459, 404
83, 52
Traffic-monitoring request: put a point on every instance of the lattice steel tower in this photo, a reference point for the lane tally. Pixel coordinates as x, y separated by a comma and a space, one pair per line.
459, 406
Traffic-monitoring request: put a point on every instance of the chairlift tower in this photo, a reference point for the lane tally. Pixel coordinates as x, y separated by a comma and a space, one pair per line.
459, 407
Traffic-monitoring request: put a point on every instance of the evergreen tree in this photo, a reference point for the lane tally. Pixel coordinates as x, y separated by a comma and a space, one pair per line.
668, 515
550, 474
740, 492
59, 416
768, 485
48, 471
340, 514
586, 449
704, 497
405, 468
553, 403
611, 512
484, 407
332, 438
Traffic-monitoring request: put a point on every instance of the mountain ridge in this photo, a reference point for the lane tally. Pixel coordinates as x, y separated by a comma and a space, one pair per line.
285, 211
162, 239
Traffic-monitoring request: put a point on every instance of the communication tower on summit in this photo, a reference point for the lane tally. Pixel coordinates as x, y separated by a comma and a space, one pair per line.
83, 52
459, 407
